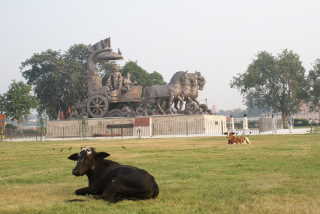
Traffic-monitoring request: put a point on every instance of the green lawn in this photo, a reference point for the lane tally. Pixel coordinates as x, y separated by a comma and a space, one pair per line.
316, 129
276, 174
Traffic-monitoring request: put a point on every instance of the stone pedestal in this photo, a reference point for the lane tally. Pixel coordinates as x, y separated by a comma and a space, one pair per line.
153, 126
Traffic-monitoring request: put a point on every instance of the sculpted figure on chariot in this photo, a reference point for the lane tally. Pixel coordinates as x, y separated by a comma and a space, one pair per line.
115, 80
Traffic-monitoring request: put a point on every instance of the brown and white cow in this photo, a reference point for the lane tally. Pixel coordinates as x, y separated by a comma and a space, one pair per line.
110, 180
233, 139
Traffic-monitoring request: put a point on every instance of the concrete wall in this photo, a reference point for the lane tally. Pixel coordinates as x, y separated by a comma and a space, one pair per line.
168, 125
212, 125
88, 127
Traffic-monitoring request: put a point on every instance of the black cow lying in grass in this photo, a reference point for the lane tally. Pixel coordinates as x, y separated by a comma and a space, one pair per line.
110, 180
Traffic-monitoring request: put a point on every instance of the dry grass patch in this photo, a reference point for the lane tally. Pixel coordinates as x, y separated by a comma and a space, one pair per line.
32, 195
287, 204
267, 182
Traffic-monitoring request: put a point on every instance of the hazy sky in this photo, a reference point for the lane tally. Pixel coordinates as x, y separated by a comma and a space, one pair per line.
217, 38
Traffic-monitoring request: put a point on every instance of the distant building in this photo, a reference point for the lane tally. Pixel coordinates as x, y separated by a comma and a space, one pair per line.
305, 113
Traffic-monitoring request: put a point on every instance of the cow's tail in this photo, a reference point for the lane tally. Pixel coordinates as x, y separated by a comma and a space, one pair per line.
155, 189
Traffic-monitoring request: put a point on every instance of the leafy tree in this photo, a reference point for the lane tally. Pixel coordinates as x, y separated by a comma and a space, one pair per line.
59, 79
276, 82
252, 109
76, 74
18, 101
2, 104
155, 78
138, 74
142, 77
314, 86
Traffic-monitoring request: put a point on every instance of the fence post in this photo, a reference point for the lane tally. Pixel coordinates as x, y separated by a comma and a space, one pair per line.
43, 125
245, 124
274, 124
187, 127
232, 123
310, 123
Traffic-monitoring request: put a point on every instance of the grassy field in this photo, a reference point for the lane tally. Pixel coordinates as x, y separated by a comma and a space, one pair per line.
276, 174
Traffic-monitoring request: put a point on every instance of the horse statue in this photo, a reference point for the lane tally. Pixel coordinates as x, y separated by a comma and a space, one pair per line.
197, 83
158, 95
181, 90
191, 83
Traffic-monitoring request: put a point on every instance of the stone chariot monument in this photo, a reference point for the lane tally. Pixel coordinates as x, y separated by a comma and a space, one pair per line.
121, 97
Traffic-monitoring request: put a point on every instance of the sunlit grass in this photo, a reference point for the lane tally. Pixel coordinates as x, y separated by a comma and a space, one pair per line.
276, 174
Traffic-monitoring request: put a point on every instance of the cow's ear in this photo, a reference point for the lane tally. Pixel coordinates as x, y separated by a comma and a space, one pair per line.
102, 155
74, 157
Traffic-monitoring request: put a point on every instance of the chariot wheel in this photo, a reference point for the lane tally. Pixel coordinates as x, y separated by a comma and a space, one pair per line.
97, 106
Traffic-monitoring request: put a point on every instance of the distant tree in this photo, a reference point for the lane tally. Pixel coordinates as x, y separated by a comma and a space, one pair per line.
275, 82
138, 74
253, 110
59, 79
76, 73
314, 86
141, 76
2, 104
155, 78
18, 101
237, 112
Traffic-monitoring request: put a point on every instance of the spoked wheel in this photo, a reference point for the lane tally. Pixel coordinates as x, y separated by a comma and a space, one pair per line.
97, 106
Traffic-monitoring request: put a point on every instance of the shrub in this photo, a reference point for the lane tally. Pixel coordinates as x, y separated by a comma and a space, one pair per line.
10, 126
301, 122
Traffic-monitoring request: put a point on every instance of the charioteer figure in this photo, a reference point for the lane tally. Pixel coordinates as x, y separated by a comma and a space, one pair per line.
115, 79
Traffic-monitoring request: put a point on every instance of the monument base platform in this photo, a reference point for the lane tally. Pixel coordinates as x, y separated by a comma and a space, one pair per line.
151, 126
